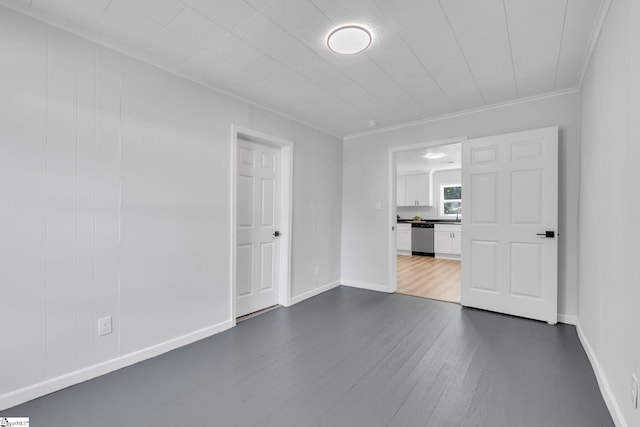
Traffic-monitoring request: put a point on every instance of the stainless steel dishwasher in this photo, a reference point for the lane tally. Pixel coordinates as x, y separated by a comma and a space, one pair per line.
422, 239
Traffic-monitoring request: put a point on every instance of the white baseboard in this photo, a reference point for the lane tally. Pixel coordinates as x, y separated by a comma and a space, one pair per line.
603, 383
31, 392
448, 256
568, 319
369, 286
314, 292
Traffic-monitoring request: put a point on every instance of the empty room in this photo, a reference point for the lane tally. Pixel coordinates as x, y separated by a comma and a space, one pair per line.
319, 212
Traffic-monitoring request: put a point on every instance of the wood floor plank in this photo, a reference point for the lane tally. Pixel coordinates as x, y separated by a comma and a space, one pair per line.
350, 357
429, 277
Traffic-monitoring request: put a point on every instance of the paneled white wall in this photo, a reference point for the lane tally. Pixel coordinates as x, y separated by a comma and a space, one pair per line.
609, 298
365, 248
116, 187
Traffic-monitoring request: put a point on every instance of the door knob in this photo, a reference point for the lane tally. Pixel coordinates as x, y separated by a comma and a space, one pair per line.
276, 234
547, 234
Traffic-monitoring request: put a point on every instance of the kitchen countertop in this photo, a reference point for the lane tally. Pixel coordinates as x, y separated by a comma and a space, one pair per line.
429, 221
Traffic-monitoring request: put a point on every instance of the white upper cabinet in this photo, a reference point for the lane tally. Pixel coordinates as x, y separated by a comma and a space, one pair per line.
423, 189
401, 192
413, 190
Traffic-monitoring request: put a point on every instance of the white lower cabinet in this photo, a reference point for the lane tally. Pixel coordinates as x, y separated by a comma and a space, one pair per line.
403, 238
456, 241
447, 239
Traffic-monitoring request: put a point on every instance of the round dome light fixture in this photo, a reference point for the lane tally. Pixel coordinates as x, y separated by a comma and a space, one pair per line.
433, 156
349, 39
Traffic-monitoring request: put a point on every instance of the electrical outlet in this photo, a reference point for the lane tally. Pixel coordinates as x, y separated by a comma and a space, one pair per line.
317, 270
634, 390
104, 326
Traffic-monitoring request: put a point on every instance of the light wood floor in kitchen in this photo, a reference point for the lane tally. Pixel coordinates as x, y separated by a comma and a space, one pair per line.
429, 277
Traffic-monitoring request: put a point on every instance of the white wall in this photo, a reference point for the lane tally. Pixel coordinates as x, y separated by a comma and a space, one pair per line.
365, 246
115, 178
609, 295
440, 178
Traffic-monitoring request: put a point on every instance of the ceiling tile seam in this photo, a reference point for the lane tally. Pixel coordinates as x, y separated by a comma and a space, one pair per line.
326, 90
426, 70
184, 8
284, 89
202, 15
462, 113
275, 83
313, 83
418, 104
197, 12
466, 61
564, 25
363, 113
166, 27
513, 64
424, 67
382, 101
104, 11
593, 39
322, 88
135, 55
148, 42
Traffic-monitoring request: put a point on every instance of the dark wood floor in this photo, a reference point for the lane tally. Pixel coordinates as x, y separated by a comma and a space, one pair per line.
350, 357
429, 277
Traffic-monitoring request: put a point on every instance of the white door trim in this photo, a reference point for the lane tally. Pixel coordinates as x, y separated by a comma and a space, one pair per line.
283, 281
393, 151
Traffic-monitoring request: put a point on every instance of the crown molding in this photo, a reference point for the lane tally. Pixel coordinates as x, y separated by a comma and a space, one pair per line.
595, 33
471, 111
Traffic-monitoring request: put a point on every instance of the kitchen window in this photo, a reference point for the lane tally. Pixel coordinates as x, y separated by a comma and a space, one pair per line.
451, 200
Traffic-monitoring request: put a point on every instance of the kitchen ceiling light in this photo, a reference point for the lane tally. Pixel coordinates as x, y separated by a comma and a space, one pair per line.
349, 39
433, 156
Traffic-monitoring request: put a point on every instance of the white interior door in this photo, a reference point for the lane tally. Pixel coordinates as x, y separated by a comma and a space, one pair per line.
510, 187
257, 222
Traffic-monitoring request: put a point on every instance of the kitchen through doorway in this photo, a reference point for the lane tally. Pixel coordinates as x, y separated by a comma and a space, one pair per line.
428, 206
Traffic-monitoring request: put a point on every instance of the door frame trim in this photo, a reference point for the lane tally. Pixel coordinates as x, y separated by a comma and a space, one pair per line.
285, 146
392, 212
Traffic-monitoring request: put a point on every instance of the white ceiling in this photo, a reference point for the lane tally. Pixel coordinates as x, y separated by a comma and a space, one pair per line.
428, 58
414, 160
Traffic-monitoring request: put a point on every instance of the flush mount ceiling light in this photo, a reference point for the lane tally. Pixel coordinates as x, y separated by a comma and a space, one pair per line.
349, 39
433, 156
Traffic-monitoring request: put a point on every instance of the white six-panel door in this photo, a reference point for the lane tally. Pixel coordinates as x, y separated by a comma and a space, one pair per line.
510, 187
257, 219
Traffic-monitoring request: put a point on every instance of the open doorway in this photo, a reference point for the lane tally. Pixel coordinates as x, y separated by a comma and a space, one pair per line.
428, 206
